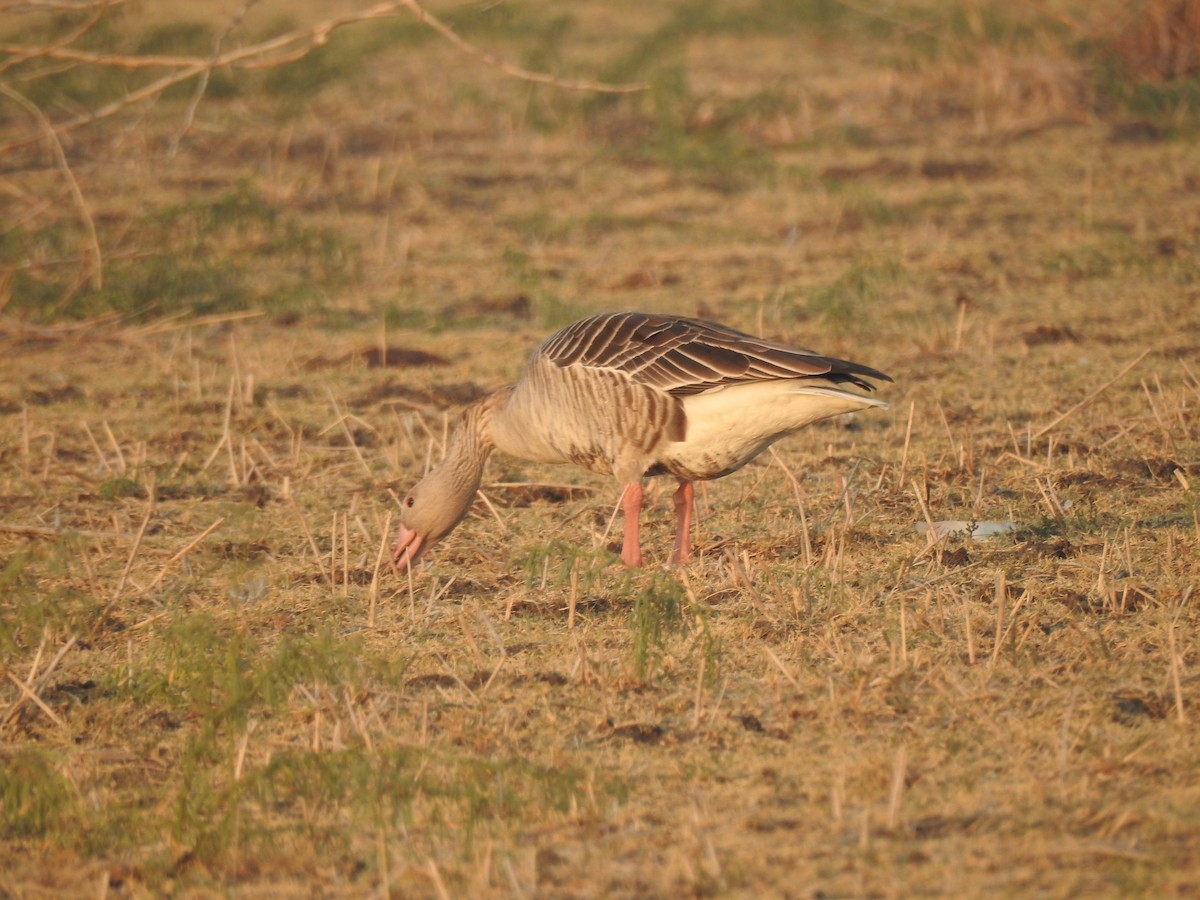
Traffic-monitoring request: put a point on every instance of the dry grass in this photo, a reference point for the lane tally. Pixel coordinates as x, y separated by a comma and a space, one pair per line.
1162, 39
213, 685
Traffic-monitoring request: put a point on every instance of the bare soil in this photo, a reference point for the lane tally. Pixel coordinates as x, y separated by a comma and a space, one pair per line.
215, 686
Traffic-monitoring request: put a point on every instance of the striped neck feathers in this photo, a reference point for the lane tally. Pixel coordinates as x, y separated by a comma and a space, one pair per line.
471, 443
440, 500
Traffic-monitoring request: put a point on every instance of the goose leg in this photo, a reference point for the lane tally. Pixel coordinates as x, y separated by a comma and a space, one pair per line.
684, 497
631, 503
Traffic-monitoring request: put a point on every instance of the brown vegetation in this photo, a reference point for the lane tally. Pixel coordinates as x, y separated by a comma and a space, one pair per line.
214, 684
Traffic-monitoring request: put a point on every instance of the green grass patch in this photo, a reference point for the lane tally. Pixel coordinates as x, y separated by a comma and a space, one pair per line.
42, 590
230, 252
657, 613
842, 303
37, 799
219, 673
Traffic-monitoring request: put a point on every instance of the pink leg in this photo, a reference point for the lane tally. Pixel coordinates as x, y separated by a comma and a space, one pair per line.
684, 497
631, 503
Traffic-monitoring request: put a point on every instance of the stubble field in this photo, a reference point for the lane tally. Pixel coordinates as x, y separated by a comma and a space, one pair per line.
214, 684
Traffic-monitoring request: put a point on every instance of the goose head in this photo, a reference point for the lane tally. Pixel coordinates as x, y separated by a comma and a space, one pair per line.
431, 510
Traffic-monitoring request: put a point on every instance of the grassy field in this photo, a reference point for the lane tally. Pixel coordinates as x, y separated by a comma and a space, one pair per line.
228, 351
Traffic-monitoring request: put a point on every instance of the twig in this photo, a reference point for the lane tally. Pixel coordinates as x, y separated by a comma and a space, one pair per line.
1090, 397
40, 682
549, 485
896, 794
933, 536
341, 420
259, 56
698, 702
1180, 712
1023, 461
173, 323
781, 667
182, 553
99, 328
912, 408
311, 543
492, 509
744, 577
30, 695
435, 876
50, 531
94, 257
373, 590
806, 544
116, 595
427, 18
1052, 502
98, 11
189, 115
19, 330
573, 600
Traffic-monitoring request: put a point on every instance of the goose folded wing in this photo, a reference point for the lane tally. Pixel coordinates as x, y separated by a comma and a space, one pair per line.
683, 356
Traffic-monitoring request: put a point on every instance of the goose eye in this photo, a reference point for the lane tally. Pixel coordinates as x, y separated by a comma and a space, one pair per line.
409, 501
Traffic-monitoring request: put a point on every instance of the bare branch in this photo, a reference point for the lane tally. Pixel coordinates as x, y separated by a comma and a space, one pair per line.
427, 18
272, 53
59, 50
202, 83
95, 260
61, 6
25, 54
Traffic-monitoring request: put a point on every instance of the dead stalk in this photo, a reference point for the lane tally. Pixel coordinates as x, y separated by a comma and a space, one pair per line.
38, 701
742, 572
181, 554
373, 590
341, 421
1052, 503
116, 447
93, 255
312, 545
999, 596
933, 536
1062, 417
492, 509
574, 597
137, 543
960, 326
427, 18
795, 483
31, 686
1176, 680
896, 794
912, 408
345, 555
970, 633
781, 667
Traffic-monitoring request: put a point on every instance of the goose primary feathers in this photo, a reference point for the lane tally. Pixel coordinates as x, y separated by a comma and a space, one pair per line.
635, 395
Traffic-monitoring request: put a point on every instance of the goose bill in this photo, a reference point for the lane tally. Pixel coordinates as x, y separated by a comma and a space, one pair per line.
407, 549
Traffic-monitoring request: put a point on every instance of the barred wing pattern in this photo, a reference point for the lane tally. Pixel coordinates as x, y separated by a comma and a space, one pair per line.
683, 356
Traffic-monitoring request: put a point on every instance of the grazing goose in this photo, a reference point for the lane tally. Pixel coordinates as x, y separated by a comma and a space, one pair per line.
631, 395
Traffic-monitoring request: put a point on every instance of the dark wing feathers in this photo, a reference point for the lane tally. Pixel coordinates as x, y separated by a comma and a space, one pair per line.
689, 356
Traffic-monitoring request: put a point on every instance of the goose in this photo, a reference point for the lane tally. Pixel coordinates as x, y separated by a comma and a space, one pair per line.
634, 395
